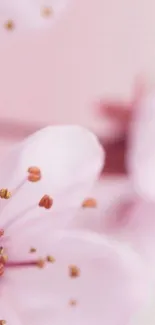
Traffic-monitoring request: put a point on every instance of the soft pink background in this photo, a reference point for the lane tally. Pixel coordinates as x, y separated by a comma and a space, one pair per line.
54, 75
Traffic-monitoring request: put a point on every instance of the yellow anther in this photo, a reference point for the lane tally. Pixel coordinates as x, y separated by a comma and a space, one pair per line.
89, 203
50, 259
5, 194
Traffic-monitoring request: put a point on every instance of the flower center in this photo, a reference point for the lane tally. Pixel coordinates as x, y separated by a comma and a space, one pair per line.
34, 175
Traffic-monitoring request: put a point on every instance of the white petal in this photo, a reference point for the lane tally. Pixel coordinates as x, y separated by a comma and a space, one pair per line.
70, 159
141, 156
30, 14
111, 284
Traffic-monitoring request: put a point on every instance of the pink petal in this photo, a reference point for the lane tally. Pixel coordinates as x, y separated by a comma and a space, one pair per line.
107, 192
147, 315
141, 155
8, 311
137, 227
110, 287
27, 14
70, 159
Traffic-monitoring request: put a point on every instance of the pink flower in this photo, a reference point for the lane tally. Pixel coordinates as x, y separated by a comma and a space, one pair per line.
84, 278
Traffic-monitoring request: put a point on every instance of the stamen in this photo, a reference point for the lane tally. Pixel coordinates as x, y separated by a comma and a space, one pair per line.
5, 194
34, 170
2, 322
74, 271
89, 203
50, 259
46, 202
39, 263
34, 174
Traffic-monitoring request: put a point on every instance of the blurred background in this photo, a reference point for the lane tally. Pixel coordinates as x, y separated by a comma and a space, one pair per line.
55, 71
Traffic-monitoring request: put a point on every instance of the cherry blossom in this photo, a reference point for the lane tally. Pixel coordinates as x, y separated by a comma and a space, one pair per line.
50, 272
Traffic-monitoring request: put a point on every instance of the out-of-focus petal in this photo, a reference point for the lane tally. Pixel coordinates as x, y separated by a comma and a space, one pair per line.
29, 14
141, 154
109, 287
8, 311
135, 223
147, 314
70, 159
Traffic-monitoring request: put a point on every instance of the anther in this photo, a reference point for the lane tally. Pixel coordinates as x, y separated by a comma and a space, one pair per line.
1, 250
89, 203
33, 250
47, 12
1, 232
5, 194
2, 322
34, 174
74, 271
73, 302
34, 170
50, 259
40, 263
46, 202
9, 25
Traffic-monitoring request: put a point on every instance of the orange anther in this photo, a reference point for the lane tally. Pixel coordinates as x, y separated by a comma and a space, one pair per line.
89, 203
74, 271
34, 174
34, 177
2, 322
46, 202
34, 170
